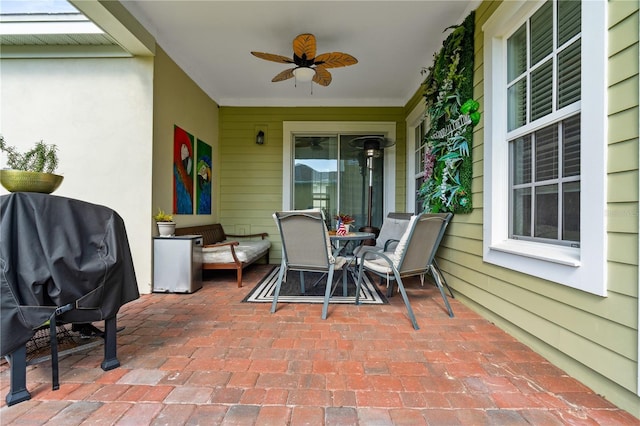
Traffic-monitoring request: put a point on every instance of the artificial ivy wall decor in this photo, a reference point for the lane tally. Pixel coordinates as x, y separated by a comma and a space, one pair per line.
451, 113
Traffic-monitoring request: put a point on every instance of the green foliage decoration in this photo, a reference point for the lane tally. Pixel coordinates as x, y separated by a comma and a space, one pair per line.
452, 113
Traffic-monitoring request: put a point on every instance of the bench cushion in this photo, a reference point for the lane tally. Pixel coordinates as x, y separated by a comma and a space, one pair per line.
246, 251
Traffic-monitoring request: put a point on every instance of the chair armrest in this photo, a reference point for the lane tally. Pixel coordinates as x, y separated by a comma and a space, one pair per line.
388, 242
226, 243
371, 255
261, 234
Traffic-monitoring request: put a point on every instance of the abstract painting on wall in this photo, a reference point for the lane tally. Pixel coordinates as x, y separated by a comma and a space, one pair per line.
182, 171
203, 170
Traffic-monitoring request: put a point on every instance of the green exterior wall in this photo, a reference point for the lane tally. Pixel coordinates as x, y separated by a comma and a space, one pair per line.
592, 338
250, 187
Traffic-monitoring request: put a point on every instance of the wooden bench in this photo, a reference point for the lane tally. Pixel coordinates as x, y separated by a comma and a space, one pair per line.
227, 251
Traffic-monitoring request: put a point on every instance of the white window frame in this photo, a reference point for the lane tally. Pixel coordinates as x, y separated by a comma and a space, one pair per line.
583, 268
415, 117
388, 129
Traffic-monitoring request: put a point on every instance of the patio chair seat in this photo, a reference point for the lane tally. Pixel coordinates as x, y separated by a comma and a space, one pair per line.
393, 228
306, 247
414, 255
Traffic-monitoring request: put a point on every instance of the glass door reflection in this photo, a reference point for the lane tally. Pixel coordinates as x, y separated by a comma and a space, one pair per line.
331, 175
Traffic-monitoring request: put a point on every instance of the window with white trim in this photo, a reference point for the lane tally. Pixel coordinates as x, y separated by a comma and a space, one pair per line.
418, 160
545, 140
543, 125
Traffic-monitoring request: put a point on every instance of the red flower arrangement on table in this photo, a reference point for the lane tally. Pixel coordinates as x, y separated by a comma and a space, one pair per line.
345, 218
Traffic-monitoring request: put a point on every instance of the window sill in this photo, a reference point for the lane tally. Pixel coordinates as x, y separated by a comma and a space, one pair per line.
568, 256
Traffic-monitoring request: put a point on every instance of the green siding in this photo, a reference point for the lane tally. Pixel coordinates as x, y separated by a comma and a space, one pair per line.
250, 187
594, 339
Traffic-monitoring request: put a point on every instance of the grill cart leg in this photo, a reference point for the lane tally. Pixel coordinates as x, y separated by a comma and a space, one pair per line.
18, 362
110, 345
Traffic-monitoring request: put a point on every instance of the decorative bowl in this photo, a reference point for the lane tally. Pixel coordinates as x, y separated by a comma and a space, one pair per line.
24, 181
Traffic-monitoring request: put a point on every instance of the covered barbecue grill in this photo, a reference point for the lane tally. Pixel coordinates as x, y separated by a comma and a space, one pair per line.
64, 261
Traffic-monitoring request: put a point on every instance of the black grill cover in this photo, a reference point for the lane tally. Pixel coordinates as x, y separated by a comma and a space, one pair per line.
55, 251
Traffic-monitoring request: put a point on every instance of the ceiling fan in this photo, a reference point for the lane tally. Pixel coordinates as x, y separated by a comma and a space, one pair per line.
308, 66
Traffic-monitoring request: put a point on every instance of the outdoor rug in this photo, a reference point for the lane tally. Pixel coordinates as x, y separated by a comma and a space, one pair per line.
290, 290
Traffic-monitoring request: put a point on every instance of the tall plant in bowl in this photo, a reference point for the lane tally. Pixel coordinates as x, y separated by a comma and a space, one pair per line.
32, 171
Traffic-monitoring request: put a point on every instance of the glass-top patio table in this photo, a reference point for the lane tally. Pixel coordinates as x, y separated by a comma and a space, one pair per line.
349, 237
345, 240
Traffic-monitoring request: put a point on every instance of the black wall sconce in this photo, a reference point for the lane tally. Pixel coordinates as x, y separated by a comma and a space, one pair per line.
260, 137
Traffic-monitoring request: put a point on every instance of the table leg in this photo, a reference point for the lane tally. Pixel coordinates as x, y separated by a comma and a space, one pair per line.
345, 272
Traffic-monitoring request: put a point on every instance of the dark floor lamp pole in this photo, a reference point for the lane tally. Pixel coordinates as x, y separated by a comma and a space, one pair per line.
369, 227
372, 147
370, 209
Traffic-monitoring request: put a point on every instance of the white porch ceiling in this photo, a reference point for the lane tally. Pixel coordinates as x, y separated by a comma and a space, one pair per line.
211, 41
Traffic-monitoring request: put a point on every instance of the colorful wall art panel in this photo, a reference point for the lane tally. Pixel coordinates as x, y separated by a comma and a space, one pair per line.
203, 177
182, 171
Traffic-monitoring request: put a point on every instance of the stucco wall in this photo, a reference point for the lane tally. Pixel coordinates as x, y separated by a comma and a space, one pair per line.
99, 114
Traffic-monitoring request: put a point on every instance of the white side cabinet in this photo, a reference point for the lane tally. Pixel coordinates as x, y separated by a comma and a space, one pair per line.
177, 264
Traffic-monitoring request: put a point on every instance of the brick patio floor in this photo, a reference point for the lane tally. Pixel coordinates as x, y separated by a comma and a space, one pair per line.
208, 359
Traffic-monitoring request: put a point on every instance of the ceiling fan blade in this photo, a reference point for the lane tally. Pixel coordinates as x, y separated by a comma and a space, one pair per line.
304, 49
322, 77
273, 57
335, 60
284, 75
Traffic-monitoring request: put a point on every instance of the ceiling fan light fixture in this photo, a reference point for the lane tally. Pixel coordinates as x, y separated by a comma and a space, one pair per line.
304, 74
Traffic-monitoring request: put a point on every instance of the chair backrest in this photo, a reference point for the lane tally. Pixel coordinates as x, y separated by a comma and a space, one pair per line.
393, 228
305, 241
419, 244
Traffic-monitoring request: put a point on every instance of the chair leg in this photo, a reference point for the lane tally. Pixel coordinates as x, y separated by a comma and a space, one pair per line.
276, 292
444, 281
412, 316
359, 283
390, 285
327, 293
436, 276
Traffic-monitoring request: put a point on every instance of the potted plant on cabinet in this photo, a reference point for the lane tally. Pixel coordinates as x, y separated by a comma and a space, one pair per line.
166, 225
31, 171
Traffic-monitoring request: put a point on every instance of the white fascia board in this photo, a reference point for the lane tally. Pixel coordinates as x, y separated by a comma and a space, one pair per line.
116, 21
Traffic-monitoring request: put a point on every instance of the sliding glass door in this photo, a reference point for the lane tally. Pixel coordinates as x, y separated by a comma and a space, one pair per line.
330, 174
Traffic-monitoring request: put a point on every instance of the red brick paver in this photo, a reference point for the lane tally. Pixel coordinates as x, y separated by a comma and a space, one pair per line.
209, 359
